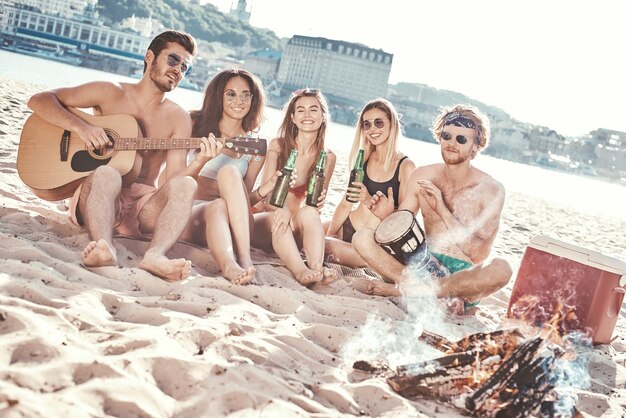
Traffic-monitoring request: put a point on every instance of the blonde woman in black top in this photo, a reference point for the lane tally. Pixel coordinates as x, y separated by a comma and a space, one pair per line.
386, 171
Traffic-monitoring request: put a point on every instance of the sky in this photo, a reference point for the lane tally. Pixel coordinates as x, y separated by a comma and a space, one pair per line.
555, 63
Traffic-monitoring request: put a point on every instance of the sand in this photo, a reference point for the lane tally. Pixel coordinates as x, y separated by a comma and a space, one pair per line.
117, 341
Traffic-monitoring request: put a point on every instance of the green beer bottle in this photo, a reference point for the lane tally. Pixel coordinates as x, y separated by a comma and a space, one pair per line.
316, 181
281, 188
356, 174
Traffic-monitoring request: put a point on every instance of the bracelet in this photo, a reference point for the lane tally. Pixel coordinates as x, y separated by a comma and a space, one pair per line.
258, 191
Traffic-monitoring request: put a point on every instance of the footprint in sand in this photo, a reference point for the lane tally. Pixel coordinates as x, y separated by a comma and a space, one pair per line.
85, 372
33, 352
9, 323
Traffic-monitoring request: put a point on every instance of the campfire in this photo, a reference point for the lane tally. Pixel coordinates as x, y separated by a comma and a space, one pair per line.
498, 374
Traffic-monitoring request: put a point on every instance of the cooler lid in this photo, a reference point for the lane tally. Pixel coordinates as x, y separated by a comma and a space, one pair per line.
578, 254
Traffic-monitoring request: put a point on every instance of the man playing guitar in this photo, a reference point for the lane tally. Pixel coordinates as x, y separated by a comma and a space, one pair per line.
104, 202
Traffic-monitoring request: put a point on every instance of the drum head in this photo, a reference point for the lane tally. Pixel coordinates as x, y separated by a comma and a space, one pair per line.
394, 226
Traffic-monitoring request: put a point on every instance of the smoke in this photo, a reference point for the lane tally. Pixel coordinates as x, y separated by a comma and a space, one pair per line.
570, 374
397, 342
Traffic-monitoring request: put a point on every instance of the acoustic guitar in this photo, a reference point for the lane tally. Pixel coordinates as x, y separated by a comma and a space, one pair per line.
53, 161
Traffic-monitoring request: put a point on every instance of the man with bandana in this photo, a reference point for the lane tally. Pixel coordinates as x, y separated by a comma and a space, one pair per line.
461, 207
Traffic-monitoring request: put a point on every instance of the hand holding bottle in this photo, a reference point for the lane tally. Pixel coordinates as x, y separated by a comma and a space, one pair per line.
356, 176
283, 181
356, 192
316, 181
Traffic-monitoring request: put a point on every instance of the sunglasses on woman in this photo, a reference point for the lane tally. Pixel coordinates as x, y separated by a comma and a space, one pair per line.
174, 60
461, 139
378, 122
244, 96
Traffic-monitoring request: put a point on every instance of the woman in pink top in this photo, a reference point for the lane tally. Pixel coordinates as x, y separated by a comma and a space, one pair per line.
297, 226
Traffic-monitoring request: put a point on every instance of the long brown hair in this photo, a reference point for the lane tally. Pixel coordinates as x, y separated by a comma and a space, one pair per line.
288, 131
207, 119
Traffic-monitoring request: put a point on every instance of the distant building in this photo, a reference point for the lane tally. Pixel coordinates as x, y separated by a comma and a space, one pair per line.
543, 141
87, 34
64, 8
240, 12
353, 72
144, 26
610, 150
609, 137
264, 63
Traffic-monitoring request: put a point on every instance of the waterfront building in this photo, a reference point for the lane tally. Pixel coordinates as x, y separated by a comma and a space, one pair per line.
88, 34
240, 12
352, 73
264, 63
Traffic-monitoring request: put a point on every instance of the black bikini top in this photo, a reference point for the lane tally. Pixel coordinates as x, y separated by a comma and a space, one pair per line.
394, 182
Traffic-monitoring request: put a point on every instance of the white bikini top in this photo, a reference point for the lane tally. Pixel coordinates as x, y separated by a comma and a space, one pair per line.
213, 166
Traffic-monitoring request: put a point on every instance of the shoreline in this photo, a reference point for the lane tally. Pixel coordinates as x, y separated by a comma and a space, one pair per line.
119, 341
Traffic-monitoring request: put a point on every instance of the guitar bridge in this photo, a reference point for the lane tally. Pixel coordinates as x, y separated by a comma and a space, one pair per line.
65, 145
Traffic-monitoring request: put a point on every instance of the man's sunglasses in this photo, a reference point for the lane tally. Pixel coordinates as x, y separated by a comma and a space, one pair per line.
461, 139
378, 122
174, 60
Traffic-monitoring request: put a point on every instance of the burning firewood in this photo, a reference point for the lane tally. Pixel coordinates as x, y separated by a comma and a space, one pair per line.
442, 377
520, 357
494, 374
525, 396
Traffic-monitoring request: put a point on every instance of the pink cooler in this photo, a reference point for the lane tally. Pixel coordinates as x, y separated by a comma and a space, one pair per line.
585, 285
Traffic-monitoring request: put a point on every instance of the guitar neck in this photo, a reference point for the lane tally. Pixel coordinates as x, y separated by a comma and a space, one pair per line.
127, 144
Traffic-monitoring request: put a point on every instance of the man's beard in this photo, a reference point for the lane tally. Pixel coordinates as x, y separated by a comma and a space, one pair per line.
454, 159
154, 76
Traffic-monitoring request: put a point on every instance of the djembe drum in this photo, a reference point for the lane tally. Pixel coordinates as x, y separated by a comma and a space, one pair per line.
402, 237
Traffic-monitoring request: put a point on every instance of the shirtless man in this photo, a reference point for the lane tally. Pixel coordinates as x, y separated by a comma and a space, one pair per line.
461, 209
103, 203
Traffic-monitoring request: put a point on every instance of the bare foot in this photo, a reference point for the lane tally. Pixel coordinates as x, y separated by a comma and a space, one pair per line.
238, 275
163, 267
308, 277
380, 288
98, 254
328, 275
455, 306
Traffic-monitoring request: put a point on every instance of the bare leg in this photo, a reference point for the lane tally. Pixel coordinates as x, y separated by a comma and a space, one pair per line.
97, 206
219, 241
310, 233
476, 283
341, 252
375, 256
287, 250
166, 215
233, 191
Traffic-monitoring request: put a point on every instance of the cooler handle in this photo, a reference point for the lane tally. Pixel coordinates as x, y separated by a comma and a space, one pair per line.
615, 304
